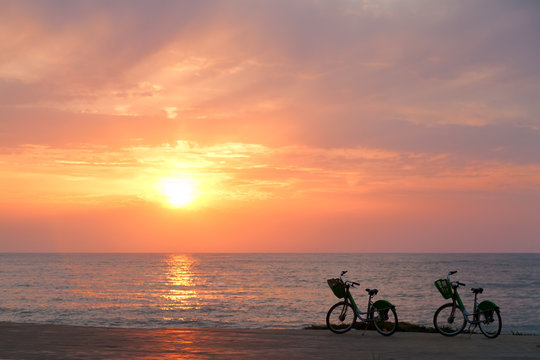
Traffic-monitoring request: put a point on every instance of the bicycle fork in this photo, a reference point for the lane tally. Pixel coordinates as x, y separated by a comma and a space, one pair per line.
456, 304
343, 314
452, 314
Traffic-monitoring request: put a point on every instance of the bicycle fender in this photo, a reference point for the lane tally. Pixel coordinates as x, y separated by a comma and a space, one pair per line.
383, 304
487, 305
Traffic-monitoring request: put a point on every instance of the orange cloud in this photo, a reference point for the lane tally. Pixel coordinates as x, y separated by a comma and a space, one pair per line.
371, 120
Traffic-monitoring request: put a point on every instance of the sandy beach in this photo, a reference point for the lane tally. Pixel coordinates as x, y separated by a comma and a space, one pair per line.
30, 341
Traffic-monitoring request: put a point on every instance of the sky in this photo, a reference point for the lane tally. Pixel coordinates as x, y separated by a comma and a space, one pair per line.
269, 126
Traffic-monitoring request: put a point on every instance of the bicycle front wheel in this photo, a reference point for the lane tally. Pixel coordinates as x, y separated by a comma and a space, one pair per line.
385, 321
341, 317
449, 320
490, 323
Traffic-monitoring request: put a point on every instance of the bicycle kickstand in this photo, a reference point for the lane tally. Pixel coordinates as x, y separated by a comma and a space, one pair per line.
471, 331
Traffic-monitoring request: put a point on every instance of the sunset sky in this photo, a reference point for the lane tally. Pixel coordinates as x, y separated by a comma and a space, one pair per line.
280, 126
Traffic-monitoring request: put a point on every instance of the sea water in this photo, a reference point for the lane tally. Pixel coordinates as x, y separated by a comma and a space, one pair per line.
253, 290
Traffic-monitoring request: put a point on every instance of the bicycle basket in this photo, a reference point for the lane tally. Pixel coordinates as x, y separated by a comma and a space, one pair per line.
338, 287
444, 287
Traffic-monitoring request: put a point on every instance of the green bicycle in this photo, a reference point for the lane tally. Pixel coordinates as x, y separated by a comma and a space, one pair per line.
342, 316
451, 318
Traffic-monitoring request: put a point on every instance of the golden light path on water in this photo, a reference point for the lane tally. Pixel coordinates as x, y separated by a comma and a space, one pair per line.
181, 293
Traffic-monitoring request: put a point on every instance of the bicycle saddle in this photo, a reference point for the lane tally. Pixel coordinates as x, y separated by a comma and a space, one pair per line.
372, 291
477, 290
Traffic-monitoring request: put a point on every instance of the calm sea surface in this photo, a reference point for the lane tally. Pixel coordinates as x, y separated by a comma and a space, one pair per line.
252, 290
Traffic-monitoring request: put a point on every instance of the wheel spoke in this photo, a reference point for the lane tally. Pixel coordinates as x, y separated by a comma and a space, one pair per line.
385, 321
490, 323
340, 318
449, 320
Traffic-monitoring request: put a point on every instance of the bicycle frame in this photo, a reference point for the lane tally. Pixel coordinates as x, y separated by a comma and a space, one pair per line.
456, 300
359, 313
379, 304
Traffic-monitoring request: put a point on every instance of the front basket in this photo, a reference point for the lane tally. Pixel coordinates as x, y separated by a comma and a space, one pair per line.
338, 287
444, 287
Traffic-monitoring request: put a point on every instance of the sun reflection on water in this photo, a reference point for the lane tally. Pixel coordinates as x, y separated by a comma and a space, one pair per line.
181, 293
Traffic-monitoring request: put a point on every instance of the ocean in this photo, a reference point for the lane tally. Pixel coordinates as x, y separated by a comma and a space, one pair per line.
253, 290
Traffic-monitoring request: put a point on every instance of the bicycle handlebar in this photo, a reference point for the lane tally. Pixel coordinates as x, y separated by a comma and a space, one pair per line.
352, 283
455, 282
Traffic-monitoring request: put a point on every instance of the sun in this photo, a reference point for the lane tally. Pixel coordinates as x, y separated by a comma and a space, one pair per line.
178, 192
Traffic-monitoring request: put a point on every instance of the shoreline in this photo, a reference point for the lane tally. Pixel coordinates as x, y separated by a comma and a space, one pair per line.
44, 341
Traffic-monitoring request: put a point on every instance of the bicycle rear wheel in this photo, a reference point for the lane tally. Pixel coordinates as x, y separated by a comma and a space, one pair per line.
490, 323
449, 320
385, 321
341, 317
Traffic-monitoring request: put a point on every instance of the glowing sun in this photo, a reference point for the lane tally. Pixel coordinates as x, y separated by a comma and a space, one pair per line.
178, 192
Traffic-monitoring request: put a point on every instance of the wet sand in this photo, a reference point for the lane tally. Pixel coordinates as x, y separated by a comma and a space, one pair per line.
28, 341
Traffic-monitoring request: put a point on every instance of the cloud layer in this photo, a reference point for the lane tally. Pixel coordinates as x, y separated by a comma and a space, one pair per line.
334, 103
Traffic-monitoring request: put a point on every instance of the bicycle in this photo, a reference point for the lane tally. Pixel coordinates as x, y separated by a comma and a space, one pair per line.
451, 318
342, 316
